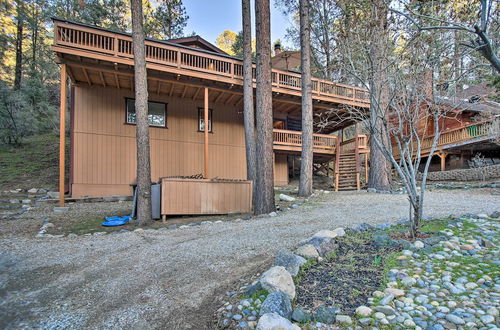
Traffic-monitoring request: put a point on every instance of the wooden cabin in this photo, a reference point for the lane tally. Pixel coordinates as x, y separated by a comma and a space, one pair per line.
469, 125
185, 77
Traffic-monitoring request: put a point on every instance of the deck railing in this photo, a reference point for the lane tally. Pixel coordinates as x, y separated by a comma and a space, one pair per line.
457, 135
292, 140
349, 146
120, 45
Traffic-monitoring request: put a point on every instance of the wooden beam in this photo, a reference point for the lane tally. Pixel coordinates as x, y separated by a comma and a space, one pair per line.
196, 93
86, 76
229, 99
71, 75
240, 101
117, 81
159, 87
171, 90
184, 91
205, 121
102, 78
62, 134
218, 97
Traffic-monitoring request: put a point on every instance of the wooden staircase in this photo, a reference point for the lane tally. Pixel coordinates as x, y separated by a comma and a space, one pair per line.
348, 163
348, 172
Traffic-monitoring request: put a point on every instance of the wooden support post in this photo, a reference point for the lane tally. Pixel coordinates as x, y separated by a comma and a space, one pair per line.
205, 126
366, 168
337, 165
443, 161
62, 134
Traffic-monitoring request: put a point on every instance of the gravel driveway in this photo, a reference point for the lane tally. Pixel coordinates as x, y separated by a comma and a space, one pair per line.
169, 279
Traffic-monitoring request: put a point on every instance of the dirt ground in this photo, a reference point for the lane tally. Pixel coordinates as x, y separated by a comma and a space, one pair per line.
173, 278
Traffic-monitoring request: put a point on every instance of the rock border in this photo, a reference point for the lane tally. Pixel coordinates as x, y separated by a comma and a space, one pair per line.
275, 311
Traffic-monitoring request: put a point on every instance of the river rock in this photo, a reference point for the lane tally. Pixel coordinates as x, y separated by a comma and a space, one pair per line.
277, 278
364, 311
386, 310
455, 319
344, 319
300, 315
395, 292
273, 321
325, 314
419, 244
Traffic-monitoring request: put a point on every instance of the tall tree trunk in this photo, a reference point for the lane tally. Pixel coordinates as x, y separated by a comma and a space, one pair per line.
18, 71
34, 38
264, 184
380, 168
248, 109
457, 63
306, 163
141, 112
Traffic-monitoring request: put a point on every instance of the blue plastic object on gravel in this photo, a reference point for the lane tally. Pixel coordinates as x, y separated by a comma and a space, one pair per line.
116, 221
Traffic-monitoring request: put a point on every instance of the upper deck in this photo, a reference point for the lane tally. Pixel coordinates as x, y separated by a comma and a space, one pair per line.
101, 45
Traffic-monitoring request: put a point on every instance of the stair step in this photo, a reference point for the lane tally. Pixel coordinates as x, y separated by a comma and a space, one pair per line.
347, 188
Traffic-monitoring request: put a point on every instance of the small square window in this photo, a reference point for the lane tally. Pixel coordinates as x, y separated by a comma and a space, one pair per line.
201, 120
157, 113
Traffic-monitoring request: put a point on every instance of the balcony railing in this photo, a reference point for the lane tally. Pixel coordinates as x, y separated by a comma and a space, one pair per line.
170, 55
458, 135
286, 140
349, 146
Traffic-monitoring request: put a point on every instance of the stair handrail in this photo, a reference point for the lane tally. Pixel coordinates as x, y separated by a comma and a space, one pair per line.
337, 165
356, 159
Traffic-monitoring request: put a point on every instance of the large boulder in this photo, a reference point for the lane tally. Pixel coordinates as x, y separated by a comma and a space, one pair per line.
323, 245
326, 233
273, 321
286, 198
307, 251
276, 279
277, 302
290, 261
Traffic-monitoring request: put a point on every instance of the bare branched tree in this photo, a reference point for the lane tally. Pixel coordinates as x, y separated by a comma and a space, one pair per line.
405, 129
480, 39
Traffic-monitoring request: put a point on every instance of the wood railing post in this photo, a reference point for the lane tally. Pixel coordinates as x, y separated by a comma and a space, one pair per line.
62, 135
337, 164
206, 128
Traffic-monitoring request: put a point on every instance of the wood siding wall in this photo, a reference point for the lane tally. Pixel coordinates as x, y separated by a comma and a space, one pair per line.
188, 196
104, 160
280, 170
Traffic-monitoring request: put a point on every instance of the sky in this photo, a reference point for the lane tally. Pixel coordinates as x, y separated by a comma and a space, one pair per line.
209, 18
